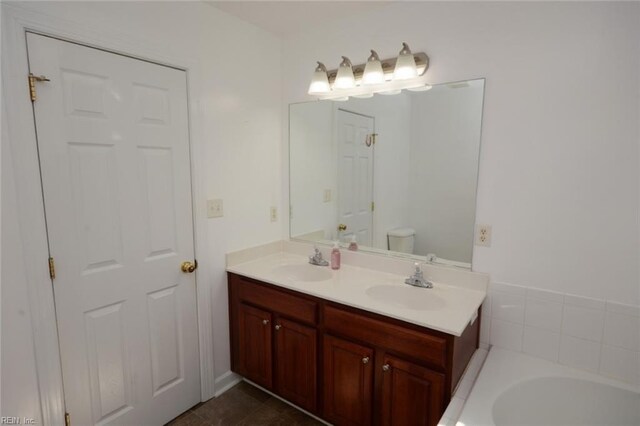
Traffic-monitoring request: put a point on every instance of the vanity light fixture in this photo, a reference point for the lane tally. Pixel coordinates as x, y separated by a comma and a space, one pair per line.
345, 78
320, 82
373, 73
388, 76
405, 65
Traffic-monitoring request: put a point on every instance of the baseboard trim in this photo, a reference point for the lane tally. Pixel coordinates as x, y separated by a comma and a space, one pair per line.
226, 382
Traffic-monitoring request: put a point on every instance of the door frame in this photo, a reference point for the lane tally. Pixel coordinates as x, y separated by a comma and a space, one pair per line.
20, 126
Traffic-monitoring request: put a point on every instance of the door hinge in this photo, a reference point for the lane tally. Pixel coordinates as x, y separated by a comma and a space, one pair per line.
32, 84
52, 268
373, 206
67, 419
374, 136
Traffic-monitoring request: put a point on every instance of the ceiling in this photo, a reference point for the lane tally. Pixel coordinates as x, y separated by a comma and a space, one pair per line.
285, 18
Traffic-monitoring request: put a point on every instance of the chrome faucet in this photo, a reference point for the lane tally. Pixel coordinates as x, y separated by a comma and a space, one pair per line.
417, 279
317, 259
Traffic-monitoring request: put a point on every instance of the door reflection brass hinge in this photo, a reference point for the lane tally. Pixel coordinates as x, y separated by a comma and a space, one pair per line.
52, 268
373, 206
32, 84
67, 419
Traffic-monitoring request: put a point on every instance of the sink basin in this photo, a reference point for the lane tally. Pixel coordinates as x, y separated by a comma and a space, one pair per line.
305, 272
419, 299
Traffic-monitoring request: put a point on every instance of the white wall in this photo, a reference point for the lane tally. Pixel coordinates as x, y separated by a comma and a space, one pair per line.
559, 178
242, 130
19, 388
445, 145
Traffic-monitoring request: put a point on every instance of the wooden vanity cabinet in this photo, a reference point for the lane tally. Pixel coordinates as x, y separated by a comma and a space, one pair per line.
347, 382
348, 366
254, 344
295, 363
274, 340
412, 395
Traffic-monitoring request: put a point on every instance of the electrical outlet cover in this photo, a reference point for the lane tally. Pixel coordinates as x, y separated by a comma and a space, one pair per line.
214, 208
274, 214
483, 235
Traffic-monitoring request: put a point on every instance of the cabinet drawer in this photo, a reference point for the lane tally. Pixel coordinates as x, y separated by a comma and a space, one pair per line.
277, 301
400, 339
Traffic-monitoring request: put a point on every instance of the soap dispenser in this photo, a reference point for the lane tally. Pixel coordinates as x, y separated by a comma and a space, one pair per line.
353, 245
335, 256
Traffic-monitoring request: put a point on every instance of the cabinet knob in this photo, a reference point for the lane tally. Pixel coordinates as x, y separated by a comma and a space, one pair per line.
386, 368
278, 327
365, 360
265, 322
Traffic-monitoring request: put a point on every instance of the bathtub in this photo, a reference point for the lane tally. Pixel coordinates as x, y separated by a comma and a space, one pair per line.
514, 389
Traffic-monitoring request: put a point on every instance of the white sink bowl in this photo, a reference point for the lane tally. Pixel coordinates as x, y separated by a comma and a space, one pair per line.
303, 272
408, 297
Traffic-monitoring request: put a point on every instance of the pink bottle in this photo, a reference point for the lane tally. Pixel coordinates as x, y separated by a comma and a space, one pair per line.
353, 246
335, 256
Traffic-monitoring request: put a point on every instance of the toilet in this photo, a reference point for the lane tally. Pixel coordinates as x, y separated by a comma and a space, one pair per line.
401, 239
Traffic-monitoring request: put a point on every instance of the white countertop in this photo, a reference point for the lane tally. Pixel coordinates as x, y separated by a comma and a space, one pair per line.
450, 308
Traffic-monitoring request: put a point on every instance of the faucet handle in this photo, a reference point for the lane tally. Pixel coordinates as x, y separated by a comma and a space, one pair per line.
417, 265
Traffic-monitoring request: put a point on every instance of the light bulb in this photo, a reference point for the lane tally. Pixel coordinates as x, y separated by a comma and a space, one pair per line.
405, 65
320, 81
373, 73
345, 78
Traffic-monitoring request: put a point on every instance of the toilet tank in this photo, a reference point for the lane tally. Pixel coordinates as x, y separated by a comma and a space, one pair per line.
401, 240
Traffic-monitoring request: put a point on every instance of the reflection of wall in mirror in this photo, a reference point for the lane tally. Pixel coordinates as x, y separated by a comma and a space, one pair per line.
312, 170
444, 169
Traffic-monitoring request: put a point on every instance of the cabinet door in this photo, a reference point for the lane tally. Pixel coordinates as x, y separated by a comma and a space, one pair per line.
412, 395
296, 363
348, 382
254, 345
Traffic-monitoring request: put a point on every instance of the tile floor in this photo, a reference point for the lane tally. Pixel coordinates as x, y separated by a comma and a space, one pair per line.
243, 405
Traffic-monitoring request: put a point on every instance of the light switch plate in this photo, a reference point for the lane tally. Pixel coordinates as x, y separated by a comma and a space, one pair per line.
214, 208
274, 213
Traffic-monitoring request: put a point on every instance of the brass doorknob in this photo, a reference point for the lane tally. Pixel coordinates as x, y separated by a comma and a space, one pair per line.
189, 267
342, 227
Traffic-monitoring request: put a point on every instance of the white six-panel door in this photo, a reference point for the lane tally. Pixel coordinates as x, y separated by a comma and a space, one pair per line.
114, 152
355, 177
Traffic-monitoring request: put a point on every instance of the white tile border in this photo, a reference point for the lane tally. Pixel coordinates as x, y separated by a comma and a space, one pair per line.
462, 391
583, 324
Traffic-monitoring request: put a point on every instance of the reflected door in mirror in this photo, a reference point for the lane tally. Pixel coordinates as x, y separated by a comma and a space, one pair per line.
355, 177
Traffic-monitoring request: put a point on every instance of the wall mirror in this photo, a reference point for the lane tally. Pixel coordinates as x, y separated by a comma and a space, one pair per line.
399, 173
